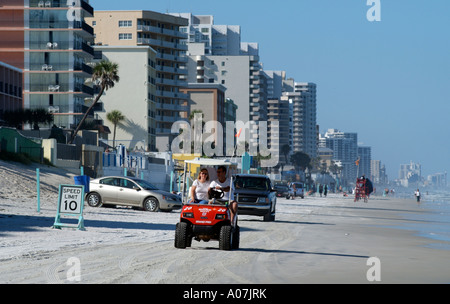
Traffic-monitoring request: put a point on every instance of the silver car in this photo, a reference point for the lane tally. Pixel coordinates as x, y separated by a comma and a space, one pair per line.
128, 191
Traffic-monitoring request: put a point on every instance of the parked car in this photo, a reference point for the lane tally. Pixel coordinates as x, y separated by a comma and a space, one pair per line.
255, 195
283, 191
128, 191
297, 189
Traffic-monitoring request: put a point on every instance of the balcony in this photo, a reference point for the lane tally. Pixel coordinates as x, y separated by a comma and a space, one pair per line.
48, 4
84, 89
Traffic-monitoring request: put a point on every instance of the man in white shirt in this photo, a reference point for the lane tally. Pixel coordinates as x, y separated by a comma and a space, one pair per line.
223, 183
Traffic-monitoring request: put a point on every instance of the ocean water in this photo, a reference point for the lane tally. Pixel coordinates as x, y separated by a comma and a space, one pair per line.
435, 223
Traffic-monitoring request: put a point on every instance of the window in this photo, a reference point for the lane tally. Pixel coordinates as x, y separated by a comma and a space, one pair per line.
125, 23
94, 23
125, 36
205, 30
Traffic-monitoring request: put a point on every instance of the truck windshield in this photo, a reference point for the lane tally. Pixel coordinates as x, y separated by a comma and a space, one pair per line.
254, 183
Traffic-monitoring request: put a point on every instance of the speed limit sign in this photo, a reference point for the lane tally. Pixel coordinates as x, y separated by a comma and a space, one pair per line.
70, 203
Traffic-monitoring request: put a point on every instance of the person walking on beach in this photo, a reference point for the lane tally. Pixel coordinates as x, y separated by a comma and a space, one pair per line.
417, 194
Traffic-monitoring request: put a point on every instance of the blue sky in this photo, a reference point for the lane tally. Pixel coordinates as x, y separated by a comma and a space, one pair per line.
388, 81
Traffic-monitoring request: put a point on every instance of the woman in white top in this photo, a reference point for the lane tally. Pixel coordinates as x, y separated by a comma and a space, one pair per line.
199, 189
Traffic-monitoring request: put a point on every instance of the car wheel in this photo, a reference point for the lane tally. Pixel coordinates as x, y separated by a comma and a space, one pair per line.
225, 238
181, 237
94, 199
151, 204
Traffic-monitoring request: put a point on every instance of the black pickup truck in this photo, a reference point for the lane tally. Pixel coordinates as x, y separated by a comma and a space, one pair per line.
255, 195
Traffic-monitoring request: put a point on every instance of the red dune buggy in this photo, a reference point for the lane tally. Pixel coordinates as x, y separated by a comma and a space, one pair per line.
205, 222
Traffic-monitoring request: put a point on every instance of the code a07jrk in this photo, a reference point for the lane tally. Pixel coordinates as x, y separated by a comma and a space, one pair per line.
244, 293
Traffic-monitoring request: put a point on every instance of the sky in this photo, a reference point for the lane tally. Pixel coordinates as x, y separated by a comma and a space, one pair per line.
386, 80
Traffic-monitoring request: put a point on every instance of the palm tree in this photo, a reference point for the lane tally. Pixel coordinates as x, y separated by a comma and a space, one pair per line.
115, 116
301, 160
106, 73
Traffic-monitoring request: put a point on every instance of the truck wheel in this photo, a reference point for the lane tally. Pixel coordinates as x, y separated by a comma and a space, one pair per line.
181, 237
269, 217
225, 238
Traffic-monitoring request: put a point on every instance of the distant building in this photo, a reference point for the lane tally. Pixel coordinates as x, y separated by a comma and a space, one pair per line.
278, 110
410, 174
364, 156
52, 50
133, 96
438, 180
378, 172
162, 33
303, 113
209, 98
216, 39
10, 88
345, 151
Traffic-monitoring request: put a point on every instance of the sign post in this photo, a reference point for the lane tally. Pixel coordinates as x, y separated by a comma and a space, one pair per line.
70, 203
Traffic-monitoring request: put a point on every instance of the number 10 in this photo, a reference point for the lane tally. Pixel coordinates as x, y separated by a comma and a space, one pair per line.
72, 205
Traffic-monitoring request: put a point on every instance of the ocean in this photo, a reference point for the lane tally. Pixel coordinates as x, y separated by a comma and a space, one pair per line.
435, 223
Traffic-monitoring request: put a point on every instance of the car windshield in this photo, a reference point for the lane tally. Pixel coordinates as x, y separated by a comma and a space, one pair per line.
281, 187
254, 183
144, 184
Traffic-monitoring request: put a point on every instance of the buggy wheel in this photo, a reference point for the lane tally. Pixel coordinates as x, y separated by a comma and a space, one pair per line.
236, 237
225, 238
181, 237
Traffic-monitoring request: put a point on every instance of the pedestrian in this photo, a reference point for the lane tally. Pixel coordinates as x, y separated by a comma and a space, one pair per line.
325, 190
417, 194
320, 189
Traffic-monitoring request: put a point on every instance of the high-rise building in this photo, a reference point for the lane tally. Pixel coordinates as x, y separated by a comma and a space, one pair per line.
50, 41
279, 110
304, 119
378, 172
410, 174
364, 156
216, 39
345, 151
10, 88
133, 96
162, 33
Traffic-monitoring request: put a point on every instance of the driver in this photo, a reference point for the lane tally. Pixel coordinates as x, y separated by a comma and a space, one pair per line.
223, 183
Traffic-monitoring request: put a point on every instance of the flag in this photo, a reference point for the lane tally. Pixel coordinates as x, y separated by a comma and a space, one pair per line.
238, 133
357, 162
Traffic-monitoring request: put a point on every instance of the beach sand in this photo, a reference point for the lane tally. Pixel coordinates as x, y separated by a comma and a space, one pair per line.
359, 230
313, 240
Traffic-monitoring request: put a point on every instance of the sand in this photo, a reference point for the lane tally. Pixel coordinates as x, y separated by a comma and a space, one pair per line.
313, 240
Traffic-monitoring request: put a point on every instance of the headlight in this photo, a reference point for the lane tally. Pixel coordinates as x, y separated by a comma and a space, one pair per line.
188, 214
168, 198
263, 200
220, 216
